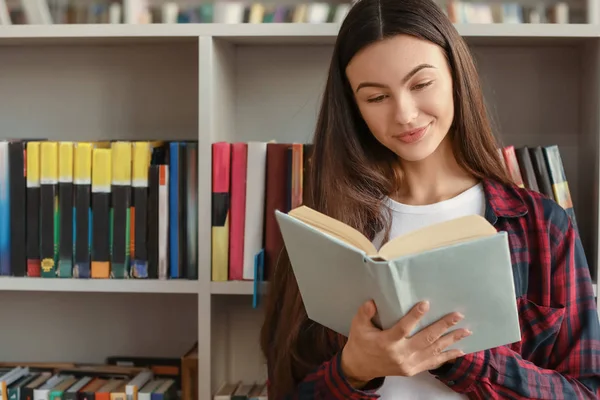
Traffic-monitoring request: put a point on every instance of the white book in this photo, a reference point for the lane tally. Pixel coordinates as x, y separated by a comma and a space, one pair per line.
43, 392
4, 14
163, 222
146, 392
255, 200
10, 377
338, 269
133, 386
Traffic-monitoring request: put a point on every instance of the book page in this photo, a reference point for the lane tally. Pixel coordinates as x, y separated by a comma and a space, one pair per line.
438, 235
335, 228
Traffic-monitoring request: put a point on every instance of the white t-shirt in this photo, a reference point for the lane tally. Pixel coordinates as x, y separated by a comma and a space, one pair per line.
406, 218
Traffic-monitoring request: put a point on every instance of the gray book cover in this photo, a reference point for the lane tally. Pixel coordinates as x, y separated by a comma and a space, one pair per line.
473, 277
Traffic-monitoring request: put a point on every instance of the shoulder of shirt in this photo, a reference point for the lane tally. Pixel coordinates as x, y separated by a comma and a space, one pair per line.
534, 206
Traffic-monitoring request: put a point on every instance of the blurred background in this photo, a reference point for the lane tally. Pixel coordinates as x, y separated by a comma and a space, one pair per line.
278, 11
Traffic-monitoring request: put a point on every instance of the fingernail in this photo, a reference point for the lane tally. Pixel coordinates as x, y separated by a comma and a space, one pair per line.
467, 332
457, 318
423, 306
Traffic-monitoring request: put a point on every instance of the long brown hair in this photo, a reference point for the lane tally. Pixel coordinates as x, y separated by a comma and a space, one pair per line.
351, 172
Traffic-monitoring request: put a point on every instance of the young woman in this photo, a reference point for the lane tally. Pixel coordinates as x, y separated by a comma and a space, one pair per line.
403, 141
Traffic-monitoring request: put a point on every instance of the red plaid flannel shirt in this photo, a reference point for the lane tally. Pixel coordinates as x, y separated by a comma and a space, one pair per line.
558, 356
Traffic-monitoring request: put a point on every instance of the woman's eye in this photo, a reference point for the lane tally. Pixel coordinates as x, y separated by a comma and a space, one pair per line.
377, 99
422, 86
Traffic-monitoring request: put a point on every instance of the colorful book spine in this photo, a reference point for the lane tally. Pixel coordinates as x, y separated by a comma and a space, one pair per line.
49, 225
139, 210
82, 212
163, 221
5, 238
65, 209
18, 208
32, 246
221, 168
101, 235
121, 202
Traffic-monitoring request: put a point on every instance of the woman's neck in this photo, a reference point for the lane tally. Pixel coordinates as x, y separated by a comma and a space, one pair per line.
435, 179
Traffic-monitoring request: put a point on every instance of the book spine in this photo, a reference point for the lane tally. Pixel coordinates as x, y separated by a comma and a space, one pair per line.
5, 217
174, 210
255, 205
101, 213
183, 212
65, 209
541, 171
18, 206
559, 182
191, 221
121, 200
48, 209
32, 247
239, 165
221, 189
82, 220
153, 179
163, 222
139, 210
297, 175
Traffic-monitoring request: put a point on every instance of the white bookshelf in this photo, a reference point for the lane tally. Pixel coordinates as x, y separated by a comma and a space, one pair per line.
241, 82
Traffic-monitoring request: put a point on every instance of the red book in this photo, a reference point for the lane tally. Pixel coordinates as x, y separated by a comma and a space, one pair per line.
221, 191
239, 163
275, 199
512, 165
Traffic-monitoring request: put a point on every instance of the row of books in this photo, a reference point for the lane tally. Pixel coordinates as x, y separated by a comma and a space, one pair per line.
99, 209
509, 12
253, 179
23, 382
540, 168
36, 12
242, 391
117, 378
235, 12
249, 182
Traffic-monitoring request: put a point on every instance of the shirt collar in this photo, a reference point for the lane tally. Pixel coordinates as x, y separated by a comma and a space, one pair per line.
502, 201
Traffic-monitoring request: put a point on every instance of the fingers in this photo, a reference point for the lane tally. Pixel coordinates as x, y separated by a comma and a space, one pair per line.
438, 360
365, 313
404, 327
428, 336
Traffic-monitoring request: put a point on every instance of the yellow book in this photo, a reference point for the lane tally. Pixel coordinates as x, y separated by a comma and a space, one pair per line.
49, 224
141, 162
33, 164
65, 162
101, 221
82, 169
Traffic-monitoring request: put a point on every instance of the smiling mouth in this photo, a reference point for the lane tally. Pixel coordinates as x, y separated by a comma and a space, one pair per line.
414, 135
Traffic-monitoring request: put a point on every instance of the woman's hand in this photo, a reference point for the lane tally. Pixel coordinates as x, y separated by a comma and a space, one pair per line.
371, 353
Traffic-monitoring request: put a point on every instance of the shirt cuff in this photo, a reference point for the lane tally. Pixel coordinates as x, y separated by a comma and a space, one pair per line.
462, 374
348, 391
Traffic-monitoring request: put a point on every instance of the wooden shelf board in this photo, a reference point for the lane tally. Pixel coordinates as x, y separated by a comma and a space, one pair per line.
98, 285
271, 33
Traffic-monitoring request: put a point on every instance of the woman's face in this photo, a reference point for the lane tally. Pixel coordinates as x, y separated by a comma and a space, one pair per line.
403, 89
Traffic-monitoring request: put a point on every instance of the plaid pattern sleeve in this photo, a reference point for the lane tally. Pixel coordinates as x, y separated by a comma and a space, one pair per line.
558, 356
327, 382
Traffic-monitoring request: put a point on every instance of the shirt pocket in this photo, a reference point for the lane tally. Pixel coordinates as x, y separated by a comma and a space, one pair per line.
539, 327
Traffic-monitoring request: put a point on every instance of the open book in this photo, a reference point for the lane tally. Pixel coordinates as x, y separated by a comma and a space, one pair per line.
459, 265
